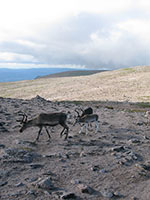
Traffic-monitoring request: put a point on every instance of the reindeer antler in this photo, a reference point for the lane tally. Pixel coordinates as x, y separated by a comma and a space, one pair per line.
77, 112
24, 119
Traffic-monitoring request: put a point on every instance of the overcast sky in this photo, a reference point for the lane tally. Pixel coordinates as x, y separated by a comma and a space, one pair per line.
95, 34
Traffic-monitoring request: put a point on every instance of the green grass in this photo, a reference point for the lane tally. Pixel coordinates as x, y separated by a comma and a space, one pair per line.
143, 104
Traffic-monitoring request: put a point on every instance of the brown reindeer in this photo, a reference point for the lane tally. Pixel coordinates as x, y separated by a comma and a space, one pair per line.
44, 120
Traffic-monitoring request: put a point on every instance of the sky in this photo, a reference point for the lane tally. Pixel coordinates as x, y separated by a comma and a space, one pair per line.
94, 34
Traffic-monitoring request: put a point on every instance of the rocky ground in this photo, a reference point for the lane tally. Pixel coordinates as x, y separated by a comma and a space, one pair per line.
111, 164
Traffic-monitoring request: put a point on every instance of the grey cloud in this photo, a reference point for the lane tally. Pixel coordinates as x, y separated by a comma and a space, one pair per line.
70, 42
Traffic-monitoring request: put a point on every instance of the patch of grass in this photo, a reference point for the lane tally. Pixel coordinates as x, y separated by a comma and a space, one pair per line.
144, 104
109, 107
73, 102
27, 149
135, 110
129, 69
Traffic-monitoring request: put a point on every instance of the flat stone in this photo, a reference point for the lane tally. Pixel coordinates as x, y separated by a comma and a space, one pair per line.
107, 194
45, 184
68, 195
85, 188
118, 148
3, 183
35, 166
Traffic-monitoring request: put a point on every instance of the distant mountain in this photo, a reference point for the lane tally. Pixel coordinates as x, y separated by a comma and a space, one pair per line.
9, 75
71, 73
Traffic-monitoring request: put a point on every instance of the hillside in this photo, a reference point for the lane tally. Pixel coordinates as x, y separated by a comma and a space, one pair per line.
110, 163
113, 163
71, 73
131, 84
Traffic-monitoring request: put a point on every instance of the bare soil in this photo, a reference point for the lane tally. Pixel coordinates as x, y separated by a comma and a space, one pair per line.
111, 164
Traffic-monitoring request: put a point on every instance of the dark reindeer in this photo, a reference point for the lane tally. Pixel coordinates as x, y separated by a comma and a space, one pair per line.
87, 117
44, 120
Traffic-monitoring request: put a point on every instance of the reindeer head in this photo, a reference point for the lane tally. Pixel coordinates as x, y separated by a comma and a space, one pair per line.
77, 120
85, 112
23, 122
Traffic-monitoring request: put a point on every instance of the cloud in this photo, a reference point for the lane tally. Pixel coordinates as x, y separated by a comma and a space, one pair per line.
92, 33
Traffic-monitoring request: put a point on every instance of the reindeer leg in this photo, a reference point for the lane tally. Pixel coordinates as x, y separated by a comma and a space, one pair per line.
65, 127
39, 133
97, 126
47, 133
86, 128
62, 132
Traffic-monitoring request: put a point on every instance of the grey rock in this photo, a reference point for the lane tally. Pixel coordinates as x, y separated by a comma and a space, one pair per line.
19, 184
117, 194
45, 184
144, 166
85, 188
68, 195
118, 148
75, 181
2, 146
31, 192
19, 155
3, 183
108, 194
95, 168
134, 141
103, 171
35, 166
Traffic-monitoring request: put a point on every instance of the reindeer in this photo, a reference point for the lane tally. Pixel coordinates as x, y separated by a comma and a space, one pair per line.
87, 111
44, 120
86, 119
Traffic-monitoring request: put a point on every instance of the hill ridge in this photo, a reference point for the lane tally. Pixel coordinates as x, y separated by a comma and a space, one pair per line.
71, 73
129, 84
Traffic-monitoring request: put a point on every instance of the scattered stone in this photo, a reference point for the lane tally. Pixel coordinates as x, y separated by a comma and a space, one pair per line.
134, 141
95, 168
134, 198
118, 148
19, 184
45, 184
117, 194
140, 123
31, 180
35, 166
2, 146
16, 155
144, 166
145, 137
105, 123
103, 171
28, 143
68, 195
31, 192
3, 183
82, 154
85, 188
75, 181
108, 194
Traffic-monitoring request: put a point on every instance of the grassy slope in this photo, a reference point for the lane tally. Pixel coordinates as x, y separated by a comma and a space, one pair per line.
131, 84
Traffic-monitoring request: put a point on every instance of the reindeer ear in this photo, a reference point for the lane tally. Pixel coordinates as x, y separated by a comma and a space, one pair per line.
81, 109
